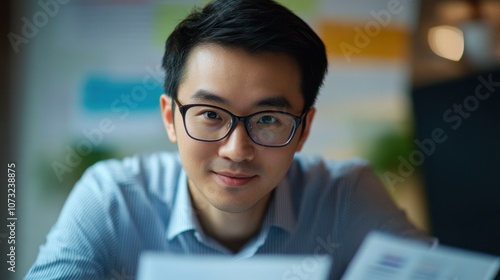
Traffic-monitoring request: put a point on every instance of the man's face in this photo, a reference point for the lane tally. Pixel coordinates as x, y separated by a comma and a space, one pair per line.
235, 174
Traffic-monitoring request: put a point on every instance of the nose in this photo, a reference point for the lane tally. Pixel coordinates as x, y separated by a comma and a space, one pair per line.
237, 146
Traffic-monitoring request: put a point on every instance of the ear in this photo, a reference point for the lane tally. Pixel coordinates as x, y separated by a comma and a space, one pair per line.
168, 117
307, 122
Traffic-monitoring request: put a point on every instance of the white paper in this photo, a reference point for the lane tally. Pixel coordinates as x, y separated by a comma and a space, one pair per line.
154, 266
383, 257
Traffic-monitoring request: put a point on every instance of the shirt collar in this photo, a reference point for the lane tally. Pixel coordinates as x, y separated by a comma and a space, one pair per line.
280, 213
181, 217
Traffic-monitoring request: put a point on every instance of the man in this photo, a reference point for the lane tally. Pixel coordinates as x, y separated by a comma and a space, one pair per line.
241, 80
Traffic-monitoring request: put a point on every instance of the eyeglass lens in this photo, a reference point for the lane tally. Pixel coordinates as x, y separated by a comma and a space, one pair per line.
212, 124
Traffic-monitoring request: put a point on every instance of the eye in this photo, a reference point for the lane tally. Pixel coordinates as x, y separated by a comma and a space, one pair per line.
211, 115
267, 120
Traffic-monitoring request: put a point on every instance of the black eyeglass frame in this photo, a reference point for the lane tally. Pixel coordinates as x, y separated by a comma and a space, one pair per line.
235, 119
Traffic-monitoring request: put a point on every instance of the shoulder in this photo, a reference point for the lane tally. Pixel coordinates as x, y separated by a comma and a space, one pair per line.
316, 169
138, 177
313, 179
145, 164
115, 202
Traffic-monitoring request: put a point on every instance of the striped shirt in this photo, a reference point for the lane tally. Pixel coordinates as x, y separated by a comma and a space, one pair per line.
119, 209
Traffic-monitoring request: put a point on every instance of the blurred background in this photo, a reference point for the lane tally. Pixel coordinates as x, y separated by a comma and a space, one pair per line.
413, 86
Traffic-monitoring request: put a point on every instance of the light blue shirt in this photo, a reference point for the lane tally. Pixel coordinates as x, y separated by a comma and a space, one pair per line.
119, 209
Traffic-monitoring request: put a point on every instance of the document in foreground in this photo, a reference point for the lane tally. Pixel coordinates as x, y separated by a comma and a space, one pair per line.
154, 266
383, 257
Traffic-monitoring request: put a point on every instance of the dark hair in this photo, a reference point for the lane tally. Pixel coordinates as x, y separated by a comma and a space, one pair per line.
255, 26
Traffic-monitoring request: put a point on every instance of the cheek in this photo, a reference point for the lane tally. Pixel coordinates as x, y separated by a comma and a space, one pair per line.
195, 156
189, 148
277, 161
193, 152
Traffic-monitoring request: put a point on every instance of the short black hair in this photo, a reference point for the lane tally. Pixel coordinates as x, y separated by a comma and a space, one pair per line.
255, 26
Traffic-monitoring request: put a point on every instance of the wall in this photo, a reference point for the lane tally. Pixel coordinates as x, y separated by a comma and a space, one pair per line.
89, 81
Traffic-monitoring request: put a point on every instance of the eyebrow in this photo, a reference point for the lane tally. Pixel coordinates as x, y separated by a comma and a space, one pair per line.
277, 101
207, 96
274, 101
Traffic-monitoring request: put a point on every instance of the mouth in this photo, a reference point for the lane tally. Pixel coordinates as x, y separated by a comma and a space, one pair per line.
234, 179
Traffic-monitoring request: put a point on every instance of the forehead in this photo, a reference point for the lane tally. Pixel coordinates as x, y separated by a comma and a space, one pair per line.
240, 80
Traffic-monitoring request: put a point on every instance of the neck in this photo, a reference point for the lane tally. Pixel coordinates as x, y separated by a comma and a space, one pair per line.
233, 230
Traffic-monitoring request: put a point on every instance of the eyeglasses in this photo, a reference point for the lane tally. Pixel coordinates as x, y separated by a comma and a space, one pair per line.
266, 128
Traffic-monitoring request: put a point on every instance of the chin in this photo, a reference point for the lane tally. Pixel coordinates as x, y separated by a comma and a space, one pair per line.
233, 207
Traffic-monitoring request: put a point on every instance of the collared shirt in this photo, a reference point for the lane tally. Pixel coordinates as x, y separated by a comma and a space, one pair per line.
119, 209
